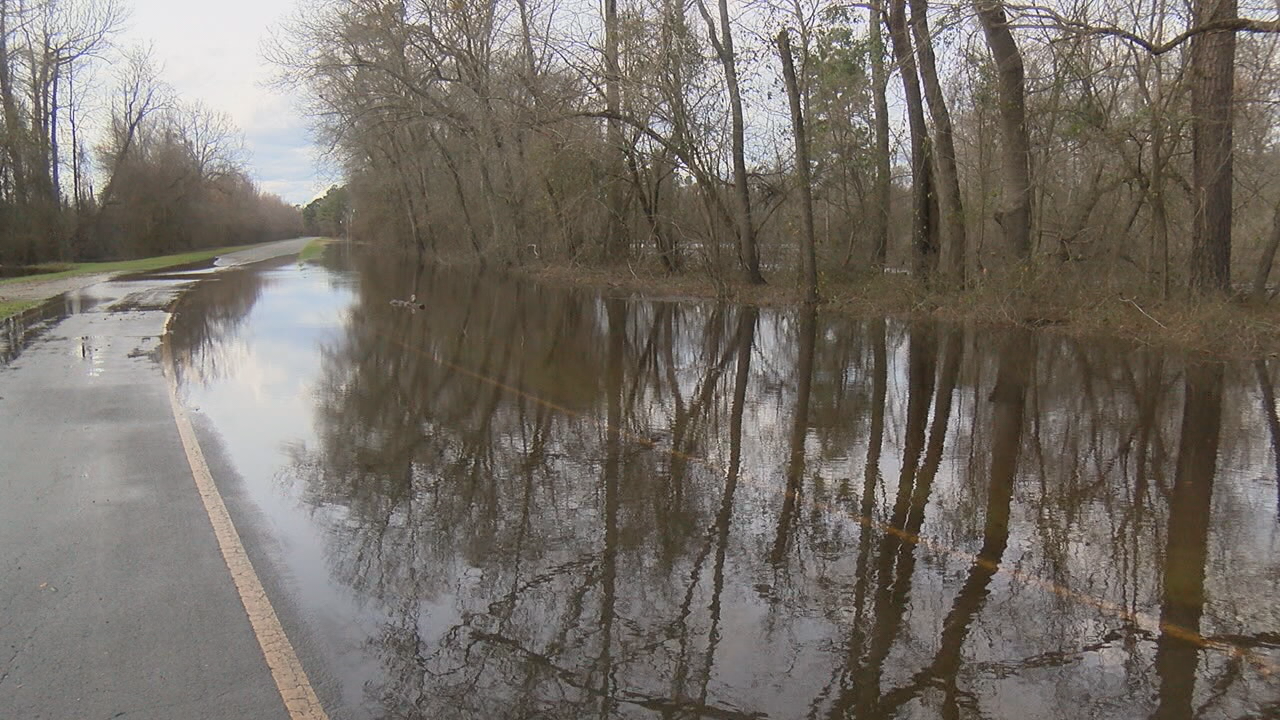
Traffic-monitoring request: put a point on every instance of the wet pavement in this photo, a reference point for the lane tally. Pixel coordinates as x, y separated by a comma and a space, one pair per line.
114, 599
533, 501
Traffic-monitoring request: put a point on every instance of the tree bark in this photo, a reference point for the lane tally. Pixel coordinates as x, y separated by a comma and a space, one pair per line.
615, 234
72, 106
924, 251
948, 186
1015, 217
54, 162
748, 254
1268, 257
807, 250
1212, 68
882, 197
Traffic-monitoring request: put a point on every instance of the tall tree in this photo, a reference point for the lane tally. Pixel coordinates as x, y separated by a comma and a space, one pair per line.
944, 150
882, 196
808, 254
924, 250
1268, 259
722, 42
1015, 215
1212, 70
615, 234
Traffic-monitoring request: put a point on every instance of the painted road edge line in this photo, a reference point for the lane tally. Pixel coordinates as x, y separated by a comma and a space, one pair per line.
291, 679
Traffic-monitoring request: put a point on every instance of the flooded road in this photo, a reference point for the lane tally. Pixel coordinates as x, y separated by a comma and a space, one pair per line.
115, 598
533, 501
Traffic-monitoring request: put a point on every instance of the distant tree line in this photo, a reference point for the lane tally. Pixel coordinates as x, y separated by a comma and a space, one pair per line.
165, 175
329, 214
1135, 142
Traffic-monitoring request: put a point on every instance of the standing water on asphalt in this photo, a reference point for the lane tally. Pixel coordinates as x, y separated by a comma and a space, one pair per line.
533, 501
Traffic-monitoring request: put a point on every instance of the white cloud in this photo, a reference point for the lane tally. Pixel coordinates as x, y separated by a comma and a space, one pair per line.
212, 52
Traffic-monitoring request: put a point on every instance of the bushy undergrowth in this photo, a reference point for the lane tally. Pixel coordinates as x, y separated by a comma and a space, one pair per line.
1049, 297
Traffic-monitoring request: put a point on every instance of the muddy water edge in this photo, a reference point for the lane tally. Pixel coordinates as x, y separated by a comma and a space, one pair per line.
513, 499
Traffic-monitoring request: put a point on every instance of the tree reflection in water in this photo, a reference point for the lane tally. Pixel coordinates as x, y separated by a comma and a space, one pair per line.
568, 506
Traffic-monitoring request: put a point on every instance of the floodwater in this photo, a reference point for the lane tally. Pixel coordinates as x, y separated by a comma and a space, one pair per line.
533, 501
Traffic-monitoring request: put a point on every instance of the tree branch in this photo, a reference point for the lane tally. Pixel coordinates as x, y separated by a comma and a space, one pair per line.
1048, 17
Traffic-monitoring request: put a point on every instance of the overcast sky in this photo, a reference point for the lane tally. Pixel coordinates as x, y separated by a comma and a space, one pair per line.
212, 51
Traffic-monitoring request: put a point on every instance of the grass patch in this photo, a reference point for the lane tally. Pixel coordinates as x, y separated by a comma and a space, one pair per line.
13, 307
140, 265
313, 250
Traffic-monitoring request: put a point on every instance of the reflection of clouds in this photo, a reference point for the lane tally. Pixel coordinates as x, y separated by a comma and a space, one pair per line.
262, 373
274, 362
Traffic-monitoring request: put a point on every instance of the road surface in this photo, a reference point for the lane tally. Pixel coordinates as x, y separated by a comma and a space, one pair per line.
115, 596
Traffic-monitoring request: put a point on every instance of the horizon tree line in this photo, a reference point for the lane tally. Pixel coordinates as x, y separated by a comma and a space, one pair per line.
1135, 140
164, 175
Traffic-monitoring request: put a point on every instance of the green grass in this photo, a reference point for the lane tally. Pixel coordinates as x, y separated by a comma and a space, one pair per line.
313, 250
127, 266
13, 307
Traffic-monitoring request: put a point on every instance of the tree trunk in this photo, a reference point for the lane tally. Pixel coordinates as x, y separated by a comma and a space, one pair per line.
1268, 257
526, 38
615, 234
1015, 217
76, 190
879, 89
1158, 104
924, 250
944, 155
1159, 211
1212, 68
807, 251
54, 172
748, 254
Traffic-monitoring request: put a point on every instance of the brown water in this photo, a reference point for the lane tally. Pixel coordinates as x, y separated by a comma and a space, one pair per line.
532, 501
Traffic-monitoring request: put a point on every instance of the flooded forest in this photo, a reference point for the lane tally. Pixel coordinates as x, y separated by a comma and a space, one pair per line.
532, 501
514, 498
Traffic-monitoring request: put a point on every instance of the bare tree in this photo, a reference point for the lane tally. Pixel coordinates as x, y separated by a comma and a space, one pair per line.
615, 234
883, 163
1015, 217
722, 41
139, 94
809, 272
1213, 57
944, 155
923, 226
542, 129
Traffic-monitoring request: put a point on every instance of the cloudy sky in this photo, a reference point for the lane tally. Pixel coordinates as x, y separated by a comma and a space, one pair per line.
212, 51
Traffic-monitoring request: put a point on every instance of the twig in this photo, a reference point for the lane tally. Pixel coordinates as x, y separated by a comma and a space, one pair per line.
1144, 312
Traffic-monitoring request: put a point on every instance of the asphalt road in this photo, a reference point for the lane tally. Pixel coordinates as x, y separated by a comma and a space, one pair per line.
115, 600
